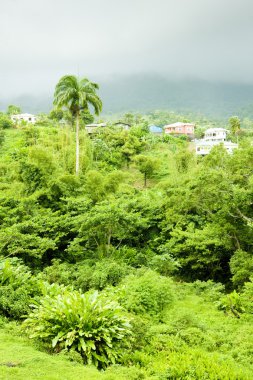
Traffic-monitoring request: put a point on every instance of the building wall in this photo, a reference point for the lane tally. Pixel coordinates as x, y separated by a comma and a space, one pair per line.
182, 129
26, 117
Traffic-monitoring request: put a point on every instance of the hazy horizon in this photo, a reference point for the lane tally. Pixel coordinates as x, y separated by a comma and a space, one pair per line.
179, 40
142, 93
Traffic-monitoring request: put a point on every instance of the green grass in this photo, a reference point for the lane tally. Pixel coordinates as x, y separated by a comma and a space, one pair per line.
194, 341
20, 360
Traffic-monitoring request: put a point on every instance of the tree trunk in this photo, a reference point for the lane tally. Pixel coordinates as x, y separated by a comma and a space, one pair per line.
145, 179
77, 143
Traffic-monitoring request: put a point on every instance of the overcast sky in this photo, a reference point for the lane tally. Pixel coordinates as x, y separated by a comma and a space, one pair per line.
41, 40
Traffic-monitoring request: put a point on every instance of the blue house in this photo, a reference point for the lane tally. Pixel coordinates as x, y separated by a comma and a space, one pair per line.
155, 129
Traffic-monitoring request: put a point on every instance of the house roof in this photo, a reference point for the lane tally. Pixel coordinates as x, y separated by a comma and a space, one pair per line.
23, 115
155, 129
212, 130
122, 123
96, 125
179, 124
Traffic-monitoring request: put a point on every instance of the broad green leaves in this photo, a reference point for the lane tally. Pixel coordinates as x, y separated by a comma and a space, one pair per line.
87, 323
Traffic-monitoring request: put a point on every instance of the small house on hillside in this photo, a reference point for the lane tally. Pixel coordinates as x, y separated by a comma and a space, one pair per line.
122, 125
180, 128
93, 128
155, 129
213, 137
216, 134
29, 118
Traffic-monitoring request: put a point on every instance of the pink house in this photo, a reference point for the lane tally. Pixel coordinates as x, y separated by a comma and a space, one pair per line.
180, 129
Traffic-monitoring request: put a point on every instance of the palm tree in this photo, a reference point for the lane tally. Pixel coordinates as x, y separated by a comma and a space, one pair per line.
77, 95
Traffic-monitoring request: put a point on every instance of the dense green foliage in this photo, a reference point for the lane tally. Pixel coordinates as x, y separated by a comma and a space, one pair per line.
85, 323
5, 121
149, 276
18, 289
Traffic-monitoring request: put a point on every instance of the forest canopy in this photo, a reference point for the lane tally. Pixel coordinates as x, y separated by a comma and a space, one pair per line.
132, 245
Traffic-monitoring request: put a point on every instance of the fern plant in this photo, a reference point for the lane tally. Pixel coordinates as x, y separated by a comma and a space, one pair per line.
87, 323
18, 288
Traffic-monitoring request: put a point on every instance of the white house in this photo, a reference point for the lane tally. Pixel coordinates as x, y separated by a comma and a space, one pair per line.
92, 128
216, 134
122, 125
29, 118
213, 137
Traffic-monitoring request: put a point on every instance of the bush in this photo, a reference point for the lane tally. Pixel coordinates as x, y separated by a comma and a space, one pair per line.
209, 290
60, 273
86, 275
231, 304
133, 257
86, 323
5, 122
108, 272
197, 365
247, 296
165, 264
2, 137
146, 292
18, 288
241, 266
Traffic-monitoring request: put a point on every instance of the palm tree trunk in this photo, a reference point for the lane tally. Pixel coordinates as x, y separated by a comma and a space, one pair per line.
145, 179
77, 143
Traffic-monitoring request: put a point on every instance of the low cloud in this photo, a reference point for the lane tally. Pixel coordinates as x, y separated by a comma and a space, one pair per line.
43, 40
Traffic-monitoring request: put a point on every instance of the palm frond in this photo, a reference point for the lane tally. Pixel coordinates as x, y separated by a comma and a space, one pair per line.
75, 94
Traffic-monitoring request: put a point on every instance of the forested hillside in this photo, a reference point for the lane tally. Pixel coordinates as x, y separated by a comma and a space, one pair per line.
152, 242
142, 93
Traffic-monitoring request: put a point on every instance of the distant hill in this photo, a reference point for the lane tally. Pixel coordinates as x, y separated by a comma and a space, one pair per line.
149, 92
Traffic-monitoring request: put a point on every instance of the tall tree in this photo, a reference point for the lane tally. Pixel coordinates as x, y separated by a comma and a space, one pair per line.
77, 95
147, 166
235, 125
13, 110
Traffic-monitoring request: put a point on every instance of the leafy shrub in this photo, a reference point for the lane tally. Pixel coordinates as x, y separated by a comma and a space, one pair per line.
247, 296
193, 336
5, 122
241, 266
86, 323
135, 257
146, 292
210, 290
60, 273
14, 303
18, 288
108, 272
165, 264
162, 339
184, 319
140, 332
86, 275
197, 365
2, 137
232, 304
